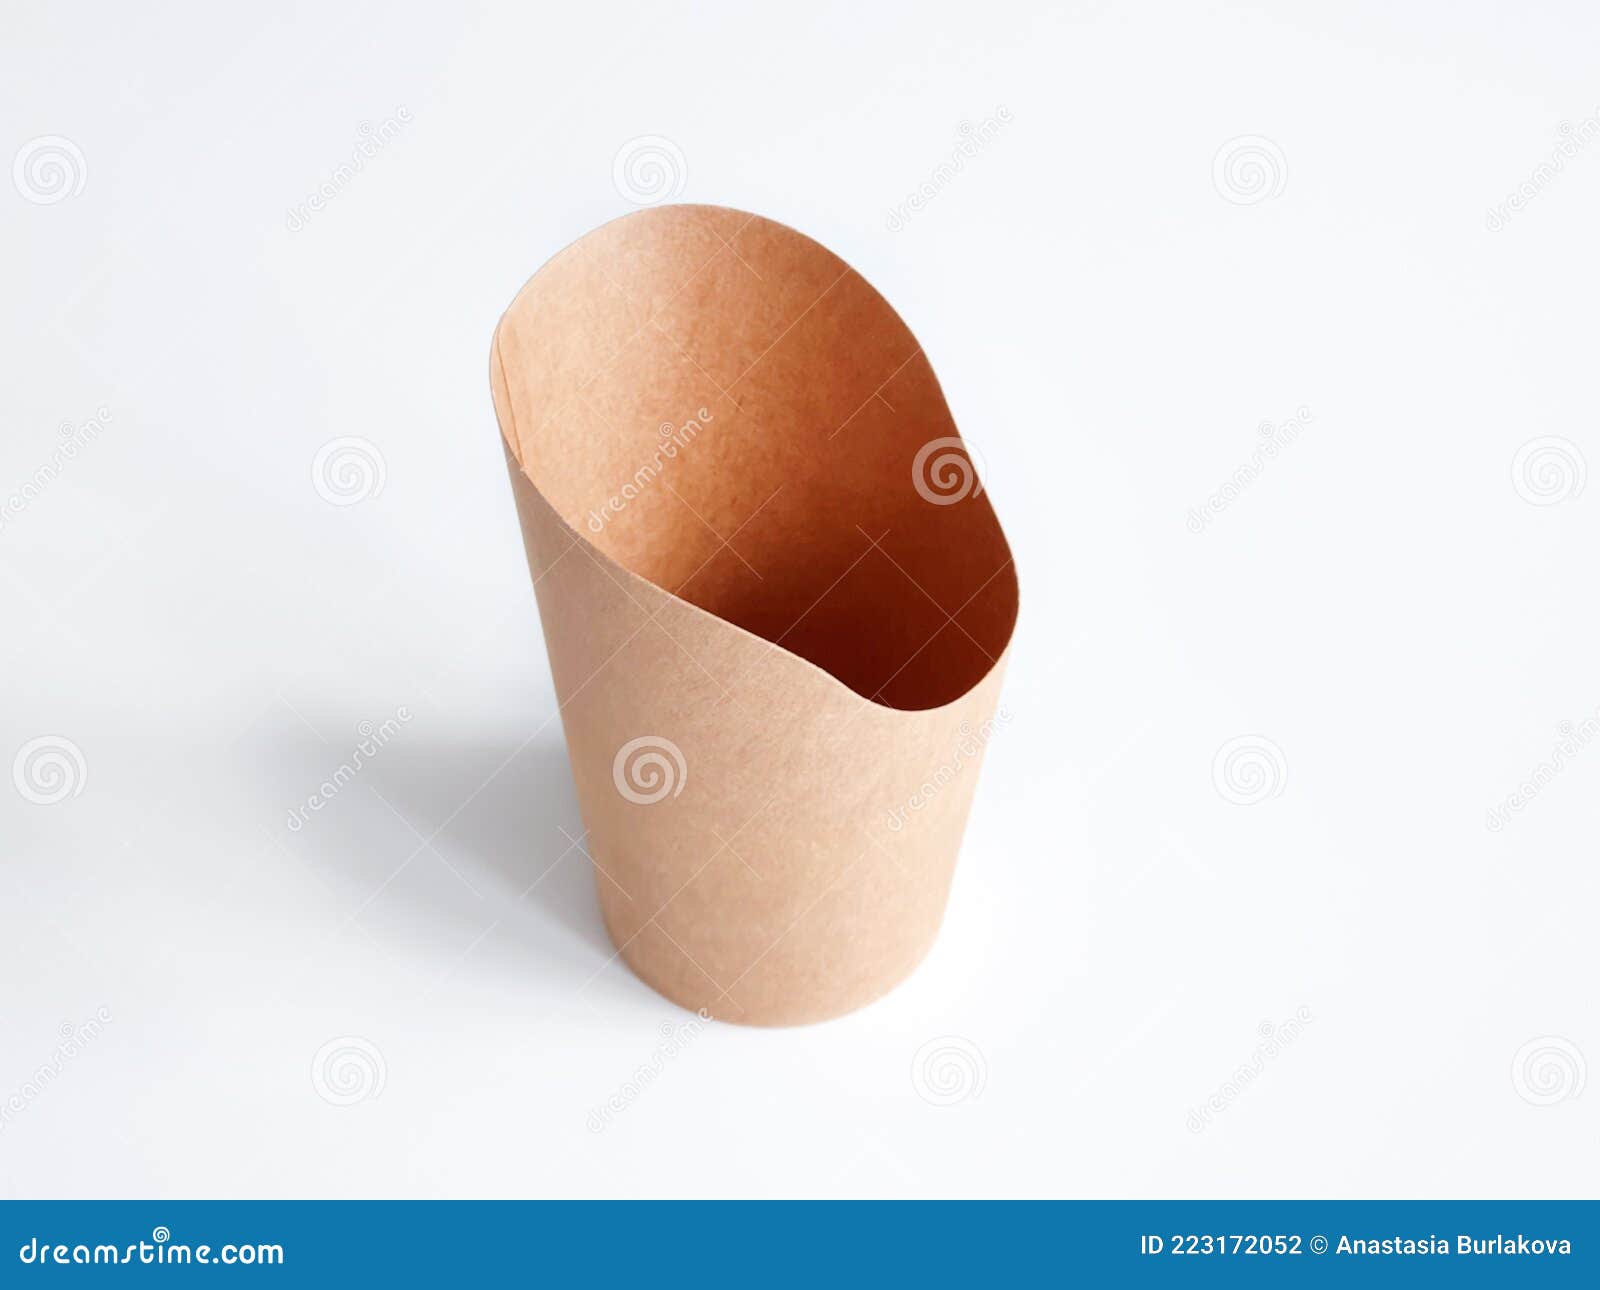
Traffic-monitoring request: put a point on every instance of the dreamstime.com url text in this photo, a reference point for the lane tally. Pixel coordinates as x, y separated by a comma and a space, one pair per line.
159, 1249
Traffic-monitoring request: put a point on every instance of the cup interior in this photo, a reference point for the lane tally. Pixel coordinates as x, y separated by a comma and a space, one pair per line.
725, 408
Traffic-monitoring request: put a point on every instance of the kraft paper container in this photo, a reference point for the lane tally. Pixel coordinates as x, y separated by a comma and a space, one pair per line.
776, 599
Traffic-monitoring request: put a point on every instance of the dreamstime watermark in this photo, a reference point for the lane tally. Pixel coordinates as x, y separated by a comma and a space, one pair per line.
74, 439
371, 140
348, 470
1548, 1070
49, 769
1275, 1037
674, 439
969, 748
374, 739
949, 1070
1575, 737
1548, 470
649, 169
1274, 439
648, 769
1249, 169
1248, 770
49, 169
675, 1037
974, 139
947, 470
1571, 140
73, 1038
348, 1070
159, 1250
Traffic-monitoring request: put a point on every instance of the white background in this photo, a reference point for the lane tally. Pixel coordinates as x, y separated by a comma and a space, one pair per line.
1387, 601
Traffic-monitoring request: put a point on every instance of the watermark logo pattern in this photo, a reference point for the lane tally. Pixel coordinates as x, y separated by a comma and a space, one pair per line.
649, 170
1548, 470
648, 769
49, 769
348, 1070
349, 470
945, 472
49, 169
1548, 1070
1249, 169
949, 1070
1249, 769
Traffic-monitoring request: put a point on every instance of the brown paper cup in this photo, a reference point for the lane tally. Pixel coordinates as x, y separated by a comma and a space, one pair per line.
776, 599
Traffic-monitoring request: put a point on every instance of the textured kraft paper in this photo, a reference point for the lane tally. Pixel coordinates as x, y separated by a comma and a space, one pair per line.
776, 600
